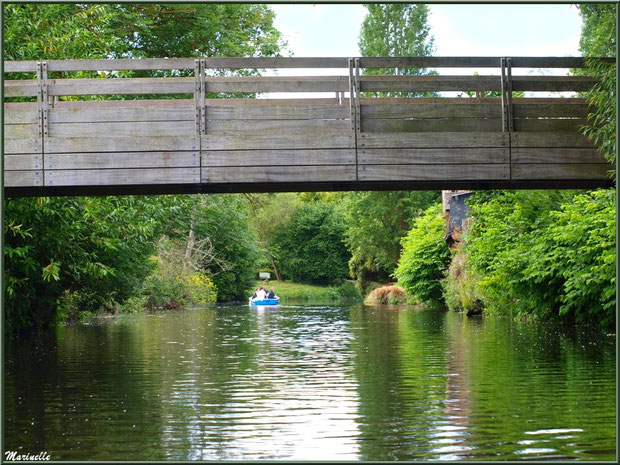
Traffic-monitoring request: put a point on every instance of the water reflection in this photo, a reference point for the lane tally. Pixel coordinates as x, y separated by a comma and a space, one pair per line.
312, 383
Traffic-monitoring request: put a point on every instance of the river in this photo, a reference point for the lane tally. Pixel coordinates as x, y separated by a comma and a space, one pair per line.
312, 383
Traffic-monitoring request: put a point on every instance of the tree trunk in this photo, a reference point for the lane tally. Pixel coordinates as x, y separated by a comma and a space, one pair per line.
191, 242
275, 268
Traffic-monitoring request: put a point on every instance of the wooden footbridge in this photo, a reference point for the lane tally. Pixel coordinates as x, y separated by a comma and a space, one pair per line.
187, 125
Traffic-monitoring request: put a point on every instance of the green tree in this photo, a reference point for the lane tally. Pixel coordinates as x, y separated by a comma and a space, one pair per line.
376, 222
598, 32
311, 247
396, 30
425, 257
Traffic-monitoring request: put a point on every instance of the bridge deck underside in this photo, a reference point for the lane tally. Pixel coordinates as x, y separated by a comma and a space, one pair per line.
240, 144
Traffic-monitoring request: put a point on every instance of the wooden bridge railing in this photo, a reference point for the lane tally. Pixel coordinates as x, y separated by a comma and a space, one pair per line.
196, 130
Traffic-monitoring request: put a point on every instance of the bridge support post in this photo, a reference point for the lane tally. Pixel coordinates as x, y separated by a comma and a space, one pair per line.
42, 108
354, 106
507, 110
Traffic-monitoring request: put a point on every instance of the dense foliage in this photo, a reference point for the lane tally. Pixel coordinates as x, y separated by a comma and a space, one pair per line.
543, 253
66, 257
376, 222
310, 248
425, 257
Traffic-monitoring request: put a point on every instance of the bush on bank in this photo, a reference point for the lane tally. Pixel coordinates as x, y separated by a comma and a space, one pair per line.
538, 253
425, 257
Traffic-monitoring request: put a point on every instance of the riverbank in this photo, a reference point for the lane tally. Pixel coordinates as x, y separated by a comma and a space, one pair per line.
290, 291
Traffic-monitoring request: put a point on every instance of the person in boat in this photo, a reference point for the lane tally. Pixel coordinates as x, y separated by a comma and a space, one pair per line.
272, 294
261, 294
254, 295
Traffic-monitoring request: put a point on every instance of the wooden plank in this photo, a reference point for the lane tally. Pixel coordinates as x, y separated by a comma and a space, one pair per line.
277, 157
23, 178
550, 124
138, 176
175, 113
432, 140
296, 62
336, 173
433, 156
274, 127
121, 86
559, 109
22, 162
12, 146
472, 62
26, 115
123, 129
116, 114
102, 65
280, 112
102, 160
426, 83
283, 141
432, 110
452, 172
278, 84
557, 155
549, 139
276, 62
551, 171
21, 131
20, 88
432, 125
120, 144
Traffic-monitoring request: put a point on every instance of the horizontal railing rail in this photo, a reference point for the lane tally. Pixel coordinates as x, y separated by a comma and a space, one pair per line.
145, 64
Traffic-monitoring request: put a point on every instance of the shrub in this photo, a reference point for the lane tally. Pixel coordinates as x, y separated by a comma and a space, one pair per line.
425, 257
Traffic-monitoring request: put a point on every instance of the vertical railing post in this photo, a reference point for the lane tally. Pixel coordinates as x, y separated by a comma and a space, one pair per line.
203, 94
42, 108
503, 93
197, 84
509, 94
354, 109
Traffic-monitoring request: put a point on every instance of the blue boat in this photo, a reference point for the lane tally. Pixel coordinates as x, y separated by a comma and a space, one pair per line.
265, 302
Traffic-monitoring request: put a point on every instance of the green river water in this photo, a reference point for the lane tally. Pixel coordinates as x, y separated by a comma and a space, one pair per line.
312, 383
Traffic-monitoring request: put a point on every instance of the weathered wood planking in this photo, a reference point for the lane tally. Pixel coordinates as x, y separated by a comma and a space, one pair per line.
432, 140
277, 157
441, 172
283, 174
281, 141
372, 125
296, 62
33, 145
272, 112
275, 127
552, 171
22, 162
103, 160
121, 144
23, 178
103, 177
557, 155
123, 129
471, 110
549, 139
433, 156
252, 84
21, 131
117, 114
